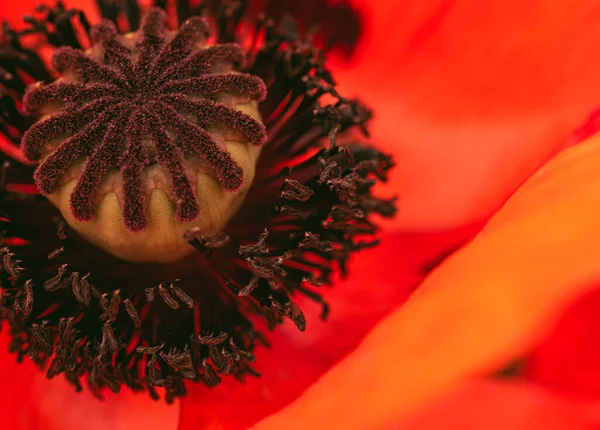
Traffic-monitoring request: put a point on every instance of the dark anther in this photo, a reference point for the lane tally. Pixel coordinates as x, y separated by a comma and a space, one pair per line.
149, 349
56, 253
297, 316
210, 340
182, 295
206, 244
210, 376
103, 299
56, 282
109, 342
149, 294
28, 302
182, 361
83, 294
256, 249
294, 190
168, 299
314, 241
11, 265
133, 313
250, 287
113, 307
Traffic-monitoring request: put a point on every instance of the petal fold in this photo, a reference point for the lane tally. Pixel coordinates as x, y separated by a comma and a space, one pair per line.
488, 303
501, 405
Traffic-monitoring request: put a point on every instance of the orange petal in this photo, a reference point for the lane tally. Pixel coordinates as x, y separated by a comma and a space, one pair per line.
486, 304
29, 401
501, 405
472, 96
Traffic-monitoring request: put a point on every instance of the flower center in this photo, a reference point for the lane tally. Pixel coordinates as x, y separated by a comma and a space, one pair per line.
162, 136
107, 161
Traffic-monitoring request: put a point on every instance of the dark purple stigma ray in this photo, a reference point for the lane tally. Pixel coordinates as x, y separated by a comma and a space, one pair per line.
115, 54
67, 93
211, 113
201, 62
196, 141
105, 157
192, 32
68, 121
152, 38
85, 69
134, 161
119, 88
169, 155
210, 85
75, 147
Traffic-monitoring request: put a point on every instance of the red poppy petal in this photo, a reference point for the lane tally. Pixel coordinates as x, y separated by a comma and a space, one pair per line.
29, 401
379, 279
568, 358
472, 96
488, 303
16, 381
501, 405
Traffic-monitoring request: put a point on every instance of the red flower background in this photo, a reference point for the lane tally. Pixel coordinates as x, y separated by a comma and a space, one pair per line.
472, 98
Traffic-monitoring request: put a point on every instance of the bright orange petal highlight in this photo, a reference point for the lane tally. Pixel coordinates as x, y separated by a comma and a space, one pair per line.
504, 405
486, 304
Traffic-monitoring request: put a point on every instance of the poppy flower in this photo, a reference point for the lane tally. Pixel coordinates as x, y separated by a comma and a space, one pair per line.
298, 360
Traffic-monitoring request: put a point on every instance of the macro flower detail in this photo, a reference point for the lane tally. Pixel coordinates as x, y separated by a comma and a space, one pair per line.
140, 98
129, 101
115, 105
